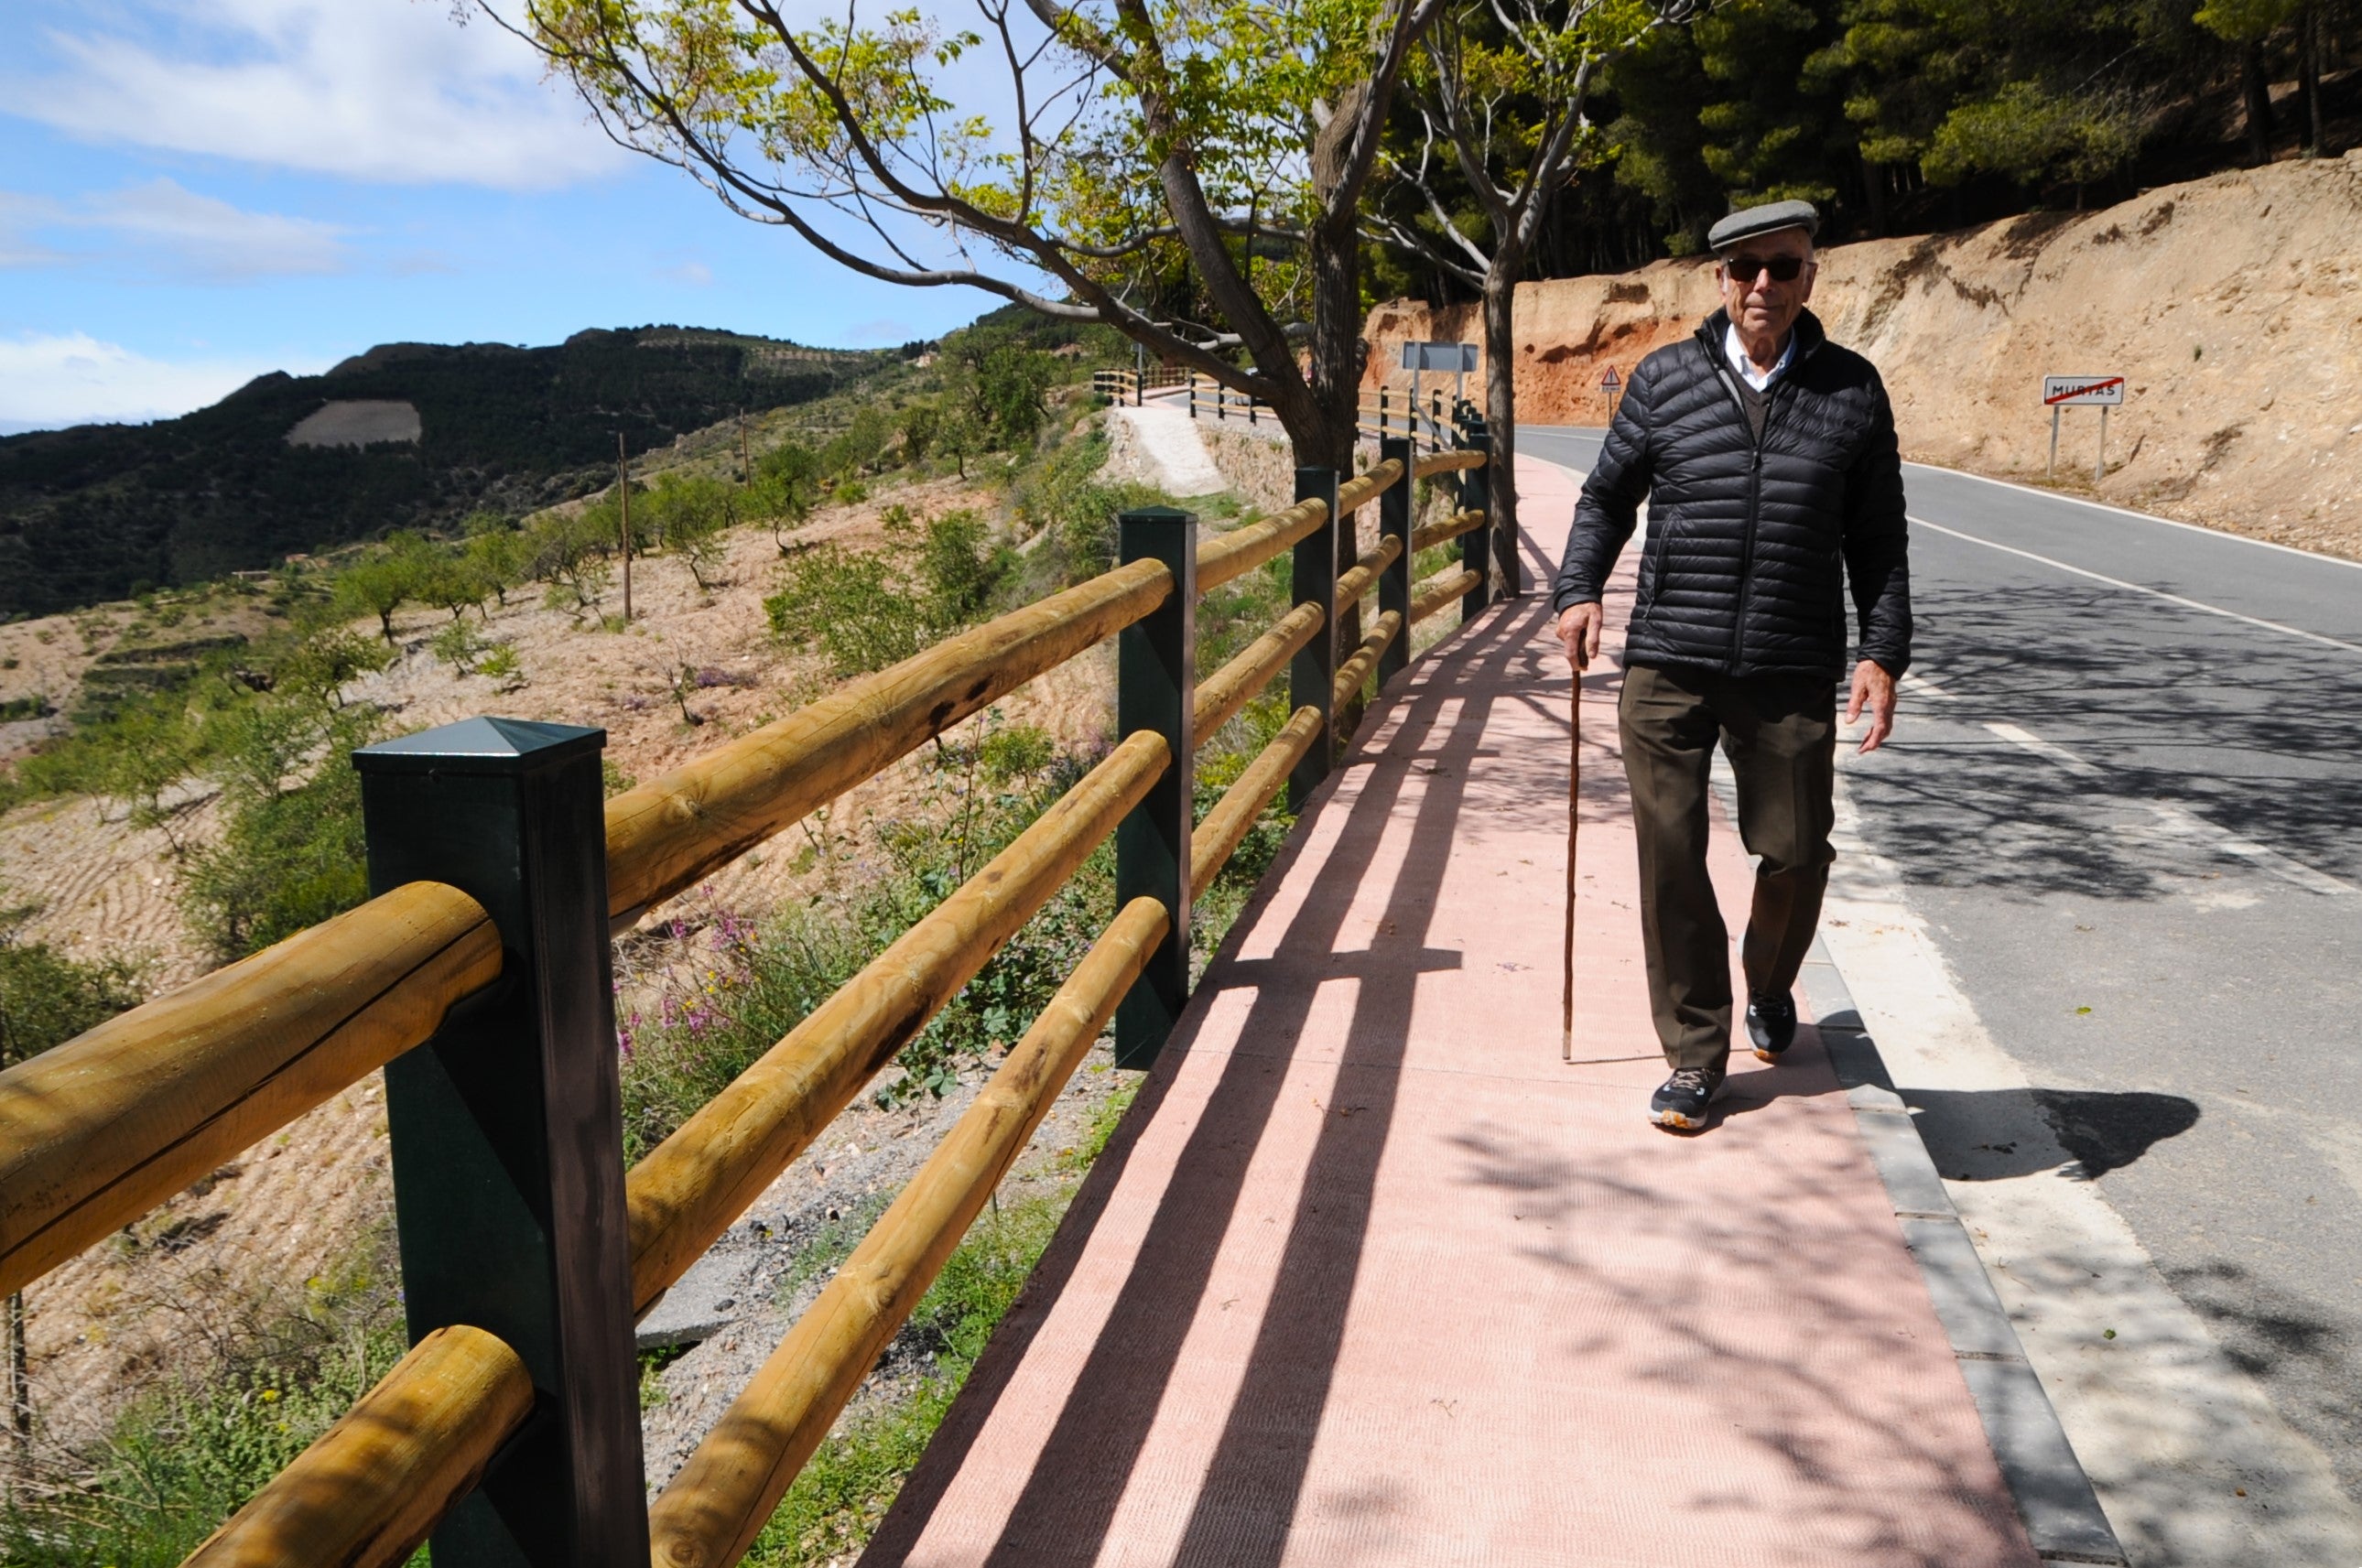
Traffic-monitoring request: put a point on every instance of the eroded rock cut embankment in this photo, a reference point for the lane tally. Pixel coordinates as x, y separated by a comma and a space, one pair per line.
2233, 305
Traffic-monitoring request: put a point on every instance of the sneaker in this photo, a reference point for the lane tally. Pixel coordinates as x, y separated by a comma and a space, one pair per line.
1680, 1100
1772, 1024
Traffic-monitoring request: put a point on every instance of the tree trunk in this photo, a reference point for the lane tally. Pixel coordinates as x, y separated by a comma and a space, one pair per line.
1873, 186
2308, 75
1325, 432
2257, 85
1325, 435
1501, 409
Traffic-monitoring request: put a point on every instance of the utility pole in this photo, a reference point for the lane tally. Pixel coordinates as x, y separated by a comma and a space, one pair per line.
20, 1389
745, 454
623, 501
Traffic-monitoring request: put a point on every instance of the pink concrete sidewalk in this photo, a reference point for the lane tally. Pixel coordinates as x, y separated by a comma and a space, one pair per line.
1370, 1277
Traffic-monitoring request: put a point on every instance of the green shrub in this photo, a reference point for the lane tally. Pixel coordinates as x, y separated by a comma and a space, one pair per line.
964, 565
694, 514
786, 486
1015, 753
287, 857
47, 999
499, 663
569, 553
853, 604
321, 664
498, 554
458, 646
1064, 495
185, 1461
859, 447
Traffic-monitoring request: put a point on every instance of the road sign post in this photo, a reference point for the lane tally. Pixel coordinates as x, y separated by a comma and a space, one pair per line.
1460, 359
2103, 392
1611, 387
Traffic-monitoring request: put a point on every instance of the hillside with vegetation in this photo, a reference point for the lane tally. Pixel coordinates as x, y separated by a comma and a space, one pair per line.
105, 512
184, 799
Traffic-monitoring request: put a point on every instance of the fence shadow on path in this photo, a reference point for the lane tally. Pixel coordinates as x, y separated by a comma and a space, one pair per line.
1745, 1315
1248, 1497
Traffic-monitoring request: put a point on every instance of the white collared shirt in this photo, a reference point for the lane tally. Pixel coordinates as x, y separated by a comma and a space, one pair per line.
1735, 352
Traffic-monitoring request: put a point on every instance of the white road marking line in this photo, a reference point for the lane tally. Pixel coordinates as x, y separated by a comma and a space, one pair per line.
2141, 516
2143, 588
1920, 686
2047, 752
2181, 822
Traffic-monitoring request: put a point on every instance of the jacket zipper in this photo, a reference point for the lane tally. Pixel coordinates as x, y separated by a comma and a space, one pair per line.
1754, 505
1754, 494
1747, 548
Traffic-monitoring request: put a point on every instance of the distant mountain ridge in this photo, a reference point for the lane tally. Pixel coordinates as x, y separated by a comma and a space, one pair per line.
99, 512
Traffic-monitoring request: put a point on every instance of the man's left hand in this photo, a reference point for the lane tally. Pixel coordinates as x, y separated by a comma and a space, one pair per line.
1873, 689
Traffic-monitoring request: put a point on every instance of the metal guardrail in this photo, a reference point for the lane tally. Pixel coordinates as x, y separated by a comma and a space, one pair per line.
526, 1248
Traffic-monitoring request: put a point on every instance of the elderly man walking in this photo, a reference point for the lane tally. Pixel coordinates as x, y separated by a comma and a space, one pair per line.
1767, 454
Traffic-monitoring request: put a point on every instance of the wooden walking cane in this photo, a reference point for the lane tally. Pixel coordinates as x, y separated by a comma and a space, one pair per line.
1574, 823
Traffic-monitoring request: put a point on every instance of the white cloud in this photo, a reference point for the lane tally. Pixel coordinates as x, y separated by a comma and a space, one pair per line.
174, 232
51, 380
212, 238
386, 90
886, 330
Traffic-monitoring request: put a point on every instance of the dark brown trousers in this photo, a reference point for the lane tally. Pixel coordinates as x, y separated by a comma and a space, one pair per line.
1779, 733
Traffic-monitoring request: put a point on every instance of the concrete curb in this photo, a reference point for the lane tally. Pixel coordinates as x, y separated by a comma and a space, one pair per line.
2054, 1497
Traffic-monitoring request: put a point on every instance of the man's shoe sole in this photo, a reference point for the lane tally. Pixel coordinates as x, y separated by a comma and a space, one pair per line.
1678, 1120
1765, 1054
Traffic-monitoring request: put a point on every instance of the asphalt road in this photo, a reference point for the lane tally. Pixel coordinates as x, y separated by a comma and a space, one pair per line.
2125, 793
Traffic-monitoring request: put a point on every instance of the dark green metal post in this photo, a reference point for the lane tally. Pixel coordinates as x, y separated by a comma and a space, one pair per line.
507, 1131
1156, 689
1477, 547
1314, 670
1394, 586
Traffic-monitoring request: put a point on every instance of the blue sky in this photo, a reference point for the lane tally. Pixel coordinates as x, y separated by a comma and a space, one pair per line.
194, 193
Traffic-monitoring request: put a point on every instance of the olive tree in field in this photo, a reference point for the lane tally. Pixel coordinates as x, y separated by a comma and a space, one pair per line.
1491, 127
1074, 157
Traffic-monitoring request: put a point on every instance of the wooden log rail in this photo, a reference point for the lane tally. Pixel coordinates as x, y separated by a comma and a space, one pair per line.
98, 1131
669, 834
1451, 528
693, 1184
1448, 462
719, 1501
1357, 670
103, 1128
1230, 689
377, 1481
1354, 585
1435, 592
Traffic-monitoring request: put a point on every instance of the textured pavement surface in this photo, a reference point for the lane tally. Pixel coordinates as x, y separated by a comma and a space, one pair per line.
1371, 1276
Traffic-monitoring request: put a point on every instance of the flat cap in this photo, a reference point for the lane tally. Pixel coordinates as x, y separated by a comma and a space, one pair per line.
1748, 222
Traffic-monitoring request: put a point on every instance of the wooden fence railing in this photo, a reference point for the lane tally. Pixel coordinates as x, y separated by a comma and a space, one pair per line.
1131, 385
478, 979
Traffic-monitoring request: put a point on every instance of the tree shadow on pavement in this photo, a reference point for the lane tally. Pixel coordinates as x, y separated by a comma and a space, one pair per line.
2306, 1352
2259, 734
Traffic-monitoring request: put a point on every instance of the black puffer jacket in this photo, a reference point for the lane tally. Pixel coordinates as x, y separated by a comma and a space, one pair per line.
1748, 548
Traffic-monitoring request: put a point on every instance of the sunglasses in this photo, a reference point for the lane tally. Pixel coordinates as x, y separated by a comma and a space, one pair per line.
1784, 268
